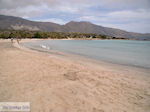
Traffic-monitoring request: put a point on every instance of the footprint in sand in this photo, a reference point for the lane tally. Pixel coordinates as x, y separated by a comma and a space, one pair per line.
71, 76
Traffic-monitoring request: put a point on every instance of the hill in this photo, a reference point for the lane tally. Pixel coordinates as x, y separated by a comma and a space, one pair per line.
17, 23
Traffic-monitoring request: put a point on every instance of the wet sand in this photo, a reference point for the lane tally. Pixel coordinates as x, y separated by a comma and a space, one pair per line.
56, 84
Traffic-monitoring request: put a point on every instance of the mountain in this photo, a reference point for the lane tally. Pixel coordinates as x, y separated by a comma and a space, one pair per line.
17, 23
87, 27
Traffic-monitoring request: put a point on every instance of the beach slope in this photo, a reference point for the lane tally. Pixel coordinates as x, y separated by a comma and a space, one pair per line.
54, 84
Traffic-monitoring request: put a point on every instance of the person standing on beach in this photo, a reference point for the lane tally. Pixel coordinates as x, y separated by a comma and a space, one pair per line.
17, 40
12, 40
12, 36
15, 35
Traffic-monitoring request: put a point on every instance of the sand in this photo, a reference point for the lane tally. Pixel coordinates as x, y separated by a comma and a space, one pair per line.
56, 84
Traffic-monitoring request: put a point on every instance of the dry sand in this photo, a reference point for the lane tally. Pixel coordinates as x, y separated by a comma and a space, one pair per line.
55, 84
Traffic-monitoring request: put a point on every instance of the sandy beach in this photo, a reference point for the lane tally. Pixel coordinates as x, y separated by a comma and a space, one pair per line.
55, 84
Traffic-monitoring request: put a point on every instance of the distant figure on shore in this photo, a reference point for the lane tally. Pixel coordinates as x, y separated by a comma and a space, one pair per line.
12, 40
18, 40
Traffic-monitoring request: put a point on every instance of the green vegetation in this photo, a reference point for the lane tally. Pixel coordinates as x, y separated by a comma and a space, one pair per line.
6, 34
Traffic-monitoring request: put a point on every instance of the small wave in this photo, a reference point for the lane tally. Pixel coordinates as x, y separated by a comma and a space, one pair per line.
45, 47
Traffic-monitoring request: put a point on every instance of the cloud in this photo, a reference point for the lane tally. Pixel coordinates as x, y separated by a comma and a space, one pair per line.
71, 6
130, 20
30, 8
12, 4
124, 16
27, 12
128, 14
54, 20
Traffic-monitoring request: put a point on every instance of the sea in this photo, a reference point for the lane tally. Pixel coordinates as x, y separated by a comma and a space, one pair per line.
124, 52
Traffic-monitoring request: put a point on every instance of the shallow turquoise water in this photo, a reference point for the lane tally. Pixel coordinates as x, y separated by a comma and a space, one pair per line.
124, 52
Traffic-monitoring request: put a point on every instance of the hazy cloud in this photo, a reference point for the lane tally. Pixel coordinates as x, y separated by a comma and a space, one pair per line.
54, 20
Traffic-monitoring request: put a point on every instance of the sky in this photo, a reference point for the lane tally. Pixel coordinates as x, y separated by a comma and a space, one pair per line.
129, 15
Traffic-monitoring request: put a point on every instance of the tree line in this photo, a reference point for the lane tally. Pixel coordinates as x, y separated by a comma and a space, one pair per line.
6, 34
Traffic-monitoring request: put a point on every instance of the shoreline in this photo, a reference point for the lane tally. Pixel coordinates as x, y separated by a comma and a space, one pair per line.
55, 83
32, 39
91, 61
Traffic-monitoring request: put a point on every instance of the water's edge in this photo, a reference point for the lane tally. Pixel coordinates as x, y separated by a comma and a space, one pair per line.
76, 56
